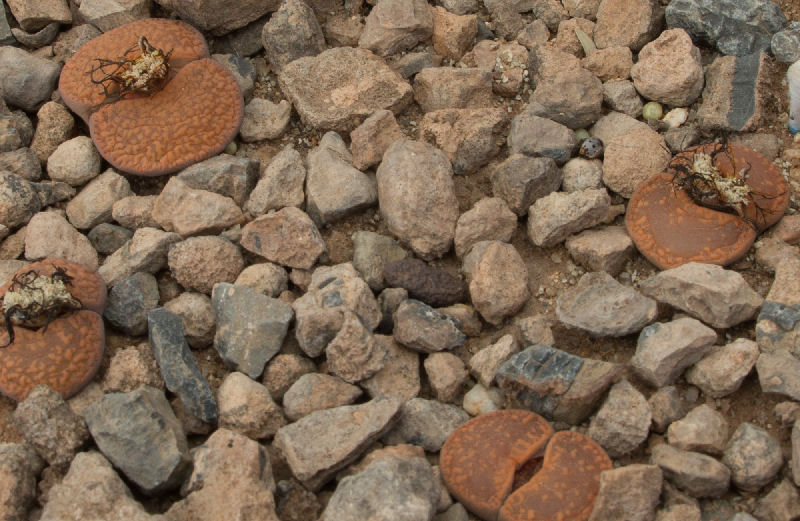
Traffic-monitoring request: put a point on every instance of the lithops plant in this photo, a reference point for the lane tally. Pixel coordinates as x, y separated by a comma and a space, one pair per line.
708, 206
153, 99
54, 331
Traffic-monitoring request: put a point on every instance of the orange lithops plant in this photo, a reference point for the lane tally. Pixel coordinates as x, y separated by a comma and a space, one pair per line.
479, 459
153, 100
64, 301
708, 206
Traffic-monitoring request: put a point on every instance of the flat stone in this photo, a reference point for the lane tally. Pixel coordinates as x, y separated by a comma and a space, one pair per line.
409, 64
250, 327
392, 27
623, 422
724, 369
422, 328
49, 425
632, 491
188, 212
603, 249
140, 435
719, 297
498, 280
436, 287
521, 180
337, 99
315, 392
426, 423
246, 407
93, 204
438, 88
92, 489
334, 188
135, 211
736, 93
735, 28
601, 306
777, 324
229, 176
390, 488
416, 195
281, 183
319, 444
754, 457
696, 474
703, 429
554, 217
287, 237
469, 137
665, 350
178, 366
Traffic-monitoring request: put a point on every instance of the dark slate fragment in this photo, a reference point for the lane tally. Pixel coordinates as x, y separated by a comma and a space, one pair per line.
537, 377
178, 365
129, 302
433, 286
107, 238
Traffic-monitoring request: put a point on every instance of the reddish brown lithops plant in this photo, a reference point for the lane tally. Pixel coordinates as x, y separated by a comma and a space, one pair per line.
479, 459
153, 100
566, 486
708, 206
66, 347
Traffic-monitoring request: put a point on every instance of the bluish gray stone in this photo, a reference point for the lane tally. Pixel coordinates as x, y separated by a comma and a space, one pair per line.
786, 44
129, 302
140, 435
537, 377
250, 327
178, 365
736, 27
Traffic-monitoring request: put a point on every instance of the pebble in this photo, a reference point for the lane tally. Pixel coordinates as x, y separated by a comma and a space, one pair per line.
287, 237
140, 435
632, 491
610, 63
372, 252
684, 83
48, 234
452, 34
354, 353
498, 280
622, 423
601, 249
601, 306
19, 467
314, 392
198, 263
778, 372
754, 457
631, 158
436, 287
666, 407
422, 328
145, 251
400, 375
106, 15
318, 445
189, 212
280, 184
780, 503
246, 407
554, 217
250, 327
135, 211
19, 200
438, 88
129, 302
426, 423
48, 425
214, 18
733, 106
265, 277
621, 96
696, 474
484, 364
521, 180
665, 349
397, 26
370, 140
703, 429
178, 365
446, 374
723, 370
107, 238
132, 367
480, 400
785, 44
26, 80
718, 297
22, 162
229, 176
538, 136
75, 161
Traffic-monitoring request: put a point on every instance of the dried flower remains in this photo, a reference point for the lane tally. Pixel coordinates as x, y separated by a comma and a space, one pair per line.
132, 74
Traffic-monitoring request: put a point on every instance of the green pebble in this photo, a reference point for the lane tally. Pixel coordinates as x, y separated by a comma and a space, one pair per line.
652, 110
582, 134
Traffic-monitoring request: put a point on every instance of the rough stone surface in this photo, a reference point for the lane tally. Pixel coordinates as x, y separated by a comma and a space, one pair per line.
19, 467
538, 136
372, 252
416, 195
219, 17
264, 277
665, 350
623, 421
292, 32
426, 423
354, 354
601, 306
497, 278
337, 99
422, 328
129, 302
399, 376
250, 327
145, 251
724, 369
319, 444
75, 161
469, 137
630, 23
394, 26
93, 204
26, 80
630, 492
246, 407
200, 262
280, 184
554, 217
436, 287
485, 363
696, 474
736, 92
140, 435
446, 374
754, 457
603, 249
489, 219
370, 139
521, 180
187, 211
719, 297
48, 234
438, 88
703, 429
287, 237
633, 157
315, 392
673, 51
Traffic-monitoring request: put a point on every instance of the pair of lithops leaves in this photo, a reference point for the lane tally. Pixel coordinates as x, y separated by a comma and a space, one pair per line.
58, 334
677, 217
508, 465
188, 111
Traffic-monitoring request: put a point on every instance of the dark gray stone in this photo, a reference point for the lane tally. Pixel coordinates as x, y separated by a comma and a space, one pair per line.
26, 80
140, 435
390, 489
242, 70
129, 302
521, 180
291, 33
736, 27
410, 64
537, 377
245, 41
231, 176
436, 287
250, 327
107, 238
178, 366
537, 136
786, 44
